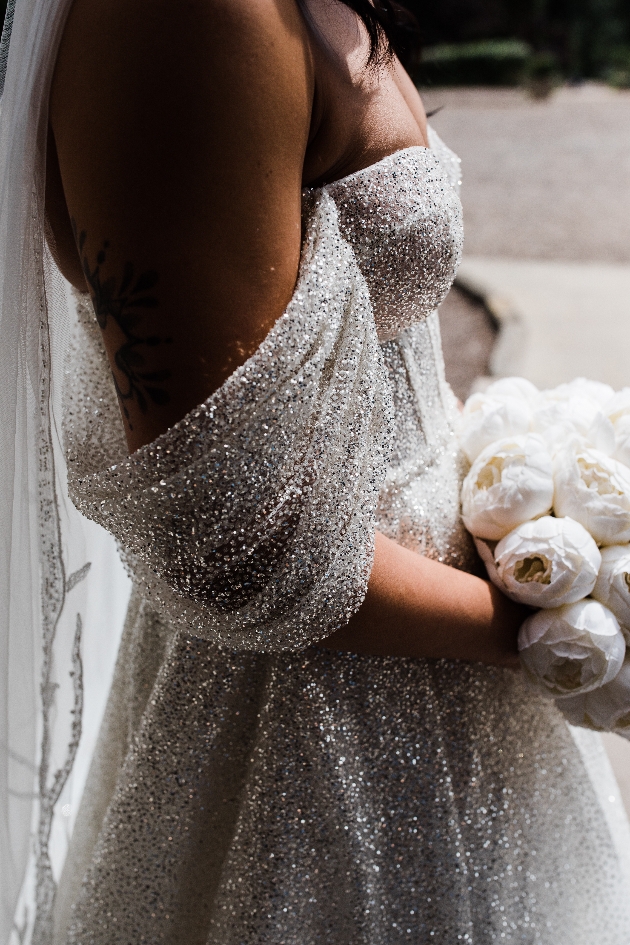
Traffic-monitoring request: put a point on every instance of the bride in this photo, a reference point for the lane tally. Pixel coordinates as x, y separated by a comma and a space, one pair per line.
316, 730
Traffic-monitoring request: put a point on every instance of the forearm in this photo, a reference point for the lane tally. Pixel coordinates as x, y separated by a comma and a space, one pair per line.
420, 608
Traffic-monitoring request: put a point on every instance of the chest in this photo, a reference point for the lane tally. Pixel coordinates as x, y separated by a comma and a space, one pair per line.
403, 218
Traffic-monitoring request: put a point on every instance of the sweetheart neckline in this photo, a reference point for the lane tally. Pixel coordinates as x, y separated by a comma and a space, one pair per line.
233, 378
369, 167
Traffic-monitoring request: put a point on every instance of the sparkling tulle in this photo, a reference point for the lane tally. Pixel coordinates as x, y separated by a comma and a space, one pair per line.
309, 796
252, 520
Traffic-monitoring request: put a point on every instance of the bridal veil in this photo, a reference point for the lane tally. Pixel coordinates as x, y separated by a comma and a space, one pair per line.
54, 636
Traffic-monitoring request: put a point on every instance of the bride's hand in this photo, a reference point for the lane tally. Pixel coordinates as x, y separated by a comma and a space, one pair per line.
417, 607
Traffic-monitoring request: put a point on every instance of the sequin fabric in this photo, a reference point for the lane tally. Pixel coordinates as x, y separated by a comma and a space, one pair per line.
259, 507
408, 241
271, 791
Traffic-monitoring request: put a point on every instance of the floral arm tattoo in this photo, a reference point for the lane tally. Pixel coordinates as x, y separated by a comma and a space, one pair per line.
124, 303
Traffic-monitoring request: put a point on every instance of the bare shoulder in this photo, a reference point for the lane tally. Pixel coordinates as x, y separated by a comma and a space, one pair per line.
189, 66
130, 30
180, 131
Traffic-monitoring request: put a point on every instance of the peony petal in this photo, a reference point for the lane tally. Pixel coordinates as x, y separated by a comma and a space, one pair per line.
569, 650
485, 420
547, 562
593, 489
622, 440
595, 391
606, 709
612, 587
509, 483
565, 422
513, 387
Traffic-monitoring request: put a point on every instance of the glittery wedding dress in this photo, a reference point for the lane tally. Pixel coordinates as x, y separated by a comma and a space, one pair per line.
250, 786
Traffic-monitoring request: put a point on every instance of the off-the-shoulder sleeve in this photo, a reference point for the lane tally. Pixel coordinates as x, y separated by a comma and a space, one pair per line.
252, 521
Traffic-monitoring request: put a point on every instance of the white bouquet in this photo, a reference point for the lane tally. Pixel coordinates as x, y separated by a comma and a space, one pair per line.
618, 412
544, 563
612, 587
569, 650
510, 482
606, 709
563, 423
488, 419
547, 499
594, 490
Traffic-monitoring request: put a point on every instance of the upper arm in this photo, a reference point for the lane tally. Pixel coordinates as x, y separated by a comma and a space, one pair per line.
181, 141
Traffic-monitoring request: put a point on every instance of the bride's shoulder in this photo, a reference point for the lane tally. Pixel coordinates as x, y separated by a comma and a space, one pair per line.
176, 157
230, 42
164, 13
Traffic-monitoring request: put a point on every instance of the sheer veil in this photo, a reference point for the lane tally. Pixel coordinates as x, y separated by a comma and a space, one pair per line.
57, 641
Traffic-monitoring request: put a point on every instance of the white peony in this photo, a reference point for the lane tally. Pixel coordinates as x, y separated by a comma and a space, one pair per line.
509, 483
593, 489
619, 405
612, 587
595, 391
606, 709
618, 412
566, 422
485, 419
622, 440
513, 387
547, 562
571, 649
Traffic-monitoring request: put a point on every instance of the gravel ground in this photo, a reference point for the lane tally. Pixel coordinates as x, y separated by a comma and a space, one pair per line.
542, 180
467, 339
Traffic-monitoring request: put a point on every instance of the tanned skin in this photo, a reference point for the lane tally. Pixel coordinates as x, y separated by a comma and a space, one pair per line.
178, 149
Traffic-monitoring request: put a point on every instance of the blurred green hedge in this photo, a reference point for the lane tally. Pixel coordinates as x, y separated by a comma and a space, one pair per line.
489, 62
617, 71
573, 39
497, 42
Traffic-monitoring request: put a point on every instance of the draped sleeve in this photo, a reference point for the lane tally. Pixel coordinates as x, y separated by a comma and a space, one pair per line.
251, 522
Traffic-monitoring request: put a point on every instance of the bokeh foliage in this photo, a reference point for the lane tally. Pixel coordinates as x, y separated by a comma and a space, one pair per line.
587, 38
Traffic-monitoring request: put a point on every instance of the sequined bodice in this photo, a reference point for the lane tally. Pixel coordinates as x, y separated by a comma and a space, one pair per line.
403, 219
305, 426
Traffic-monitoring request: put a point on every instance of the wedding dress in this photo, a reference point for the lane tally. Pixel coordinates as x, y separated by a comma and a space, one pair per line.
249, 785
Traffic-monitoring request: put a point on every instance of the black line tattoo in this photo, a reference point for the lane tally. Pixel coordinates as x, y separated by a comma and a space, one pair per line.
124, 304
